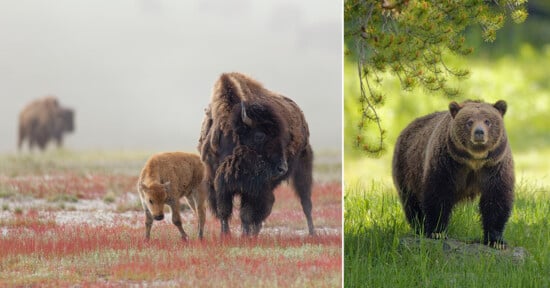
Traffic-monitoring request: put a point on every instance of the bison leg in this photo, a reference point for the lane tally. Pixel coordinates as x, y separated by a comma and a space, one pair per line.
201, 208
59, 140
212, 198
20, 137
254, 210
201, 212
148, 223
302, 181
224, 201
176, 218
42, 144
32, 142
196, 202
219, 208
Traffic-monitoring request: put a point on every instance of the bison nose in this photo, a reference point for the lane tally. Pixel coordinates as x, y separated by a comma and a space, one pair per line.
159, 217
479, 134
282, 168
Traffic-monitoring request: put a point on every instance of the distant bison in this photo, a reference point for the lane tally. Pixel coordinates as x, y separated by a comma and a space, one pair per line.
43, 120
167, 177
251, 140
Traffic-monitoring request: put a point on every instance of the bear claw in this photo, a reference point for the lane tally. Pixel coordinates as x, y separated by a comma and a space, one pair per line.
499, 245
435, 235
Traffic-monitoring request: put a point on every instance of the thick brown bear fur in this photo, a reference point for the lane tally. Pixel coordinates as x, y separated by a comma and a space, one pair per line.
446, 157
167, 177
43, 120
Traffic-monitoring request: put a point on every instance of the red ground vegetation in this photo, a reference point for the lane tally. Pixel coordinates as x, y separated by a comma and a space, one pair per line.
37, 250
83, 187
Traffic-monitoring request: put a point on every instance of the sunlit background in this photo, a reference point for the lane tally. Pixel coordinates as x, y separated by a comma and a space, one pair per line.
139, 73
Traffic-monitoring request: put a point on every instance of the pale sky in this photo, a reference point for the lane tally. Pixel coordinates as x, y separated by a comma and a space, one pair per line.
139, 73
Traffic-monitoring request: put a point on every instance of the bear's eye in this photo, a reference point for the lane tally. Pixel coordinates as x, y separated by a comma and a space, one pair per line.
469, 123
488, 123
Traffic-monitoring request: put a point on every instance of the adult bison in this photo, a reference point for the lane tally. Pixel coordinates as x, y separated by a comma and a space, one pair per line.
42, 120
251, 140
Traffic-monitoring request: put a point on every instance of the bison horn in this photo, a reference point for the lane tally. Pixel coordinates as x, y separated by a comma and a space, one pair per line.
246, 119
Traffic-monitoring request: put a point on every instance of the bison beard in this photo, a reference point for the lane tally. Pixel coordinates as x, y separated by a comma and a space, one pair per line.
235, 176
251, 140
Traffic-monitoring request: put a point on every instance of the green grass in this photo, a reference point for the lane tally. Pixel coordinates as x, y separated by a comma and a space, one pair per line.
374, 221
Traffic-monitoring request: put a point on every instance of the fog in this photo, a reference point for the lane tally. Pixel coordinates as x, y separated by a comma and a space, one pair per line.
139, 73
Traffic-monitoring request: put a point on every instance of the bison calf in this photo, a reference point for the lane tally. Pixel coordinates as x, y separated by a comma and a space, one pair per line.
165, 179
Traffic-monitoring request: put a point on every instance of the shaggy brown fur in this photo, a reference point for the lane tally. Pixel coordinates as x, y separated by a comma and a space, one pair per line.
165, 179
251, 140
446, 157
42, 120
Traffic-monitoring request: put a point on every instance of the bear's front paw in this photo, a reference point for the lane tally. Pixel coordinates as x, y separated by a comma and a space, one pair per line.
499, 245
437, 235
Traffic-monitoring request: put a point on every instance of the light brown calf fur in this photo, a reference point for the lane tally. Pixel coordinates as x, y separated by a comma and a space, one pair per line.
165, 179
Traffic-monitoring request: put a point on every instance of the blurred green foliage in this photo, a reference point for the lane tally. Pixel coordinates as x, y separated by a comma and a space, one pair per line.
411, 40
521, 80
535, 31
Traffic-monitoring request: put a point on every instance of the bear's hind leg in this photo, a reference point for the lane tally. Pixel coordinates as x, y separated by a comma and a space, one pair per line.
413, 211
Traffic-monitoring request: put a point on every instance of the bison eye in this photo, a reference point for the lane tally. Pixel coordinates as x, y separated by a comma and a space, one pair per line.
488, 123
150, 201
259, 137
469, 123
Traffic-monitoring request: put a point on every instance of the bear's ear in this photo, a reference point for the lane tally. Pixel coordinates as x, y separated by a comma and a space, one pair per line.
501, 106
454, 108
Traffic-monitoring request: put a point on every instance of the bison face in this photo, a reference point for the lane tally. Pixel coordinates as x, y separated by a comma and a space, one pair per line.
154, 197
67, 116
261, 130
64, 121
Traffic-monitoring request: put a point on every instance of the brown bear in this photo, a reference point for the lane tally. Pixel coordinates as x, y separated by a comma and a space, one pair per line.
449, 156
167, 177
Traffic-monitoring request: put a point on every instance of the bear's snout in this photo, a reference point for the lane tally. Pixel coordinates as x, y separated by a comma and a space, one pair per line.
159, 217
479, 136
